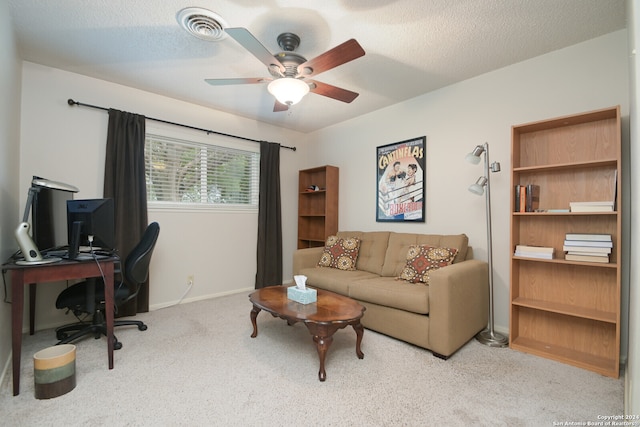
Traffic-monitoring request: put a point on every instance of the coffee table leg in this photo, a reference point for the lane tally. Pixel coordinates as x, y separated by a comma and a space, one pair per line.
359, 332
254, 313
322, 345
323, 337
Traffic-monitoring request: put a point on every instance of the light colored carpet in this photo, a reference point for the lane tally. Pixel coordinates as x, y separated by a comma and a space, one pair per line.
197, 365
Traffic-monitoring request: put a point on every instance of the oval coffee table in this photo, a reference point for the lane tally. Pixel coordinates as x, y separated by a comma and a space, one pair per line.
322, 318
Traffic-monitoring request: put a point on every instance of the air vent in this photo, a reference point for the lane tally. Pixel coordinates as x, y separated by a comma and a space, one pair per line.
202, 23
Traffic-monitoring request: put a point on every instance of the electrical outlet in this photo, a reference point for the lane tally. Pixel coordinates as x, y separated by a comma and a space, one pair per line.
190, 280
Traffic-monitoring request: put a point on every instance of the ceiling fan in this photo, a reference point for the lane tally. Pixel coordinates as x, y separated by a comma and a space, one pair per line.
291, 72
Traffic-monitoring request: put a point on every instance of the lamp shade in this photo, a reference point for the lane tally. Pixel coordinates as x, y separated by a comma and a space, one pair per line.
288, 90
474, 156
471, 158
478, 187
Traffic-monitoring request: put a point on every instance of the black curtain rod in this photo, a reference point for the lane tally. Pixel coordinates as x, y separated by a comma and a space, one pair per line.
71, 102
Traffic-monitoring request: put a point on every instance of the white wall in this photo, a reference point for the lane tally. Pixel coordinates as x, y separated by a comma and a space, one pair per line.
455, 119
9, 165
632, 373
67, 144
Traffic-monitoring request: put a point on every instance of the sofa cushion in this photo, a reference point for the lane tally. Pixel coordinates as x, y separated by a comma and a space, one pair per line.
422, 259
373, 248
389, 292
396, 256
332, 279
340, 253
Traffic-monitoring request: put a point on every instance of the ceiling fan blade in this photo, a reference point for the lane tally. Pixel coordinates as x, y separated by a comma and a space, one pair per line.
249, 42
341, 54
239, 81
330, 91
278, 106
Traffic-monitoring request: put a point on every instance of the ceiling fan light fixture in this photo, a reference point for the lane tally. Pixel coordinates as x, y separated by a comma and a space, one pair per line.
288, 90
202, 23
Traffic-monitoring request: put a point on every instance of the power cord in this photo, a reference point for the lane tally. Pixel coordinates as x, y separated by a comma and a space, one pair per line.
104, 280
189, 286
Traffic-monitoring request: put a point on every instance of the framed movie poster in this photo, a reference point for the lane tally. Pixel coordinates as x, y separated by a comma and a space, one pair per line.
401, 175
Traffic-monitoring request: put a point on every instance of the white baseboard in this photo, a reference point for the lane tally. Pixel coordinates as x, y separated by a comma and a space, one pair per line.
199, 298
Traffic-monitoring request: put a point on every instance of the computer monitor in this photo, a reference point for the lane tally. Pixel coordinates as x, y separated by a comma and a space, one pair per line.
49, 218
90, 217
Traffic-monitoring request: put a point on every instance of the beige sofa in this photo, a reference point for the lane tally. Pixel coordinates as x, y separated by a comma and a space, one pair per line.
440, 317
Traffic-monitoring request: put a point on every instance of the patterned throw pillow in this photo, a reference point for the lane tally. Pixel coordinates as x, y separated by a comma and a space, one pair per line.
421, 259
340, 253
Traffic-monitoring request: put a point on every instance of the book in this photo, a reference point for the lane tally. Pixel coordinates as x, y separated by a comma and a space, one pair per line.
532, 198
527, 198
586, 249
587, 258
539, 255
615, 188
588, 236
539, 249
595, 203
557, 210
588, 243
591, 206
595, 253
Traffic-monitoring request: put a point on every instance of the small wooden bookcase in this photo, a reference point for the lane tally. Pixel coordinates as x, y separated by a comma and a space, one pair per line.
568, 311
317, 210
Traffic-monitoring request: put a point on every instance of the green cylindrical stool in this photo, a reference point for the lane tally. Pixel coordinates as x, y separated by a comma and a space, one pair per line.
54, 371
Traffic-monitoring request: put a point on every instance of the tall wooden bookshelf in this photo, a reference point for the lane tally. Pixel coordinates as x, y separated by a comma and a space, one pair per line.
568, 311
317, 210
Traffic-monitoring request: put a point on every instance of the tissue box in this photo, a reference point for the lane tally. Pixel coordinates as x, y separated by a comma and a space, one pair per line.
303, 296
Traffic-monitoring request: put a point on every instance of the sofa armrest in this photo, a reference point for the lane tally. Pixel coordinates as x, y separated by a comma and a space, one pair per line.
306, 258
458, 304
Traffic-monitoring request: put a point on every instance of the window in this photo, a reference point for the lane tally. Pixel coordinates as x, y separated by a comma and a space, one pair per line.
192, 174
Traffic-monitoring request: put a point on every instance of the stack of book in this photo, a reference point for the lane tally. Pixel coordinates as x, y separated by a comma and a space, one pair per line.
588, 247
540, 252
591, 206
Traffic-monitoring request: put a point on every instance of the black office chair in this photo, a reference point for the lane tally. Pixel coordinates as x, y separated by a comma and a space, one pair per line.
78, 299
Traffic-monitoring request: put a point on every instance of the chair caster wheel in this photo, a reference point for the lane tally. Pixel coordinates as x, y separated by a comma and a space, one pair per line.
117, 345
142, 327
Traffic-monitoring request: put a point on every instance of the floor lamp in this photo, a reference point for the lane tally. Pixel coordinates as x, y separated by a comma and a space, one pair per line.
487, 336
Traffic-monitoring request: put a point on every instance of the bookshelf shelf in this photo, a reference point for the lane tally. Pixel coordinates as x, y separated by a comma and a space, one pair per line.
586, 360
614, 213
563, 310
569, 310
562, 261
578, 165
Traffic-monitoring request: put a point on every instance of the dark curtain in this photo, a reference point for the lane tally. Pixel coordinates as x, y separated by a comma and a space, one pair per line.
124, 182
269, 253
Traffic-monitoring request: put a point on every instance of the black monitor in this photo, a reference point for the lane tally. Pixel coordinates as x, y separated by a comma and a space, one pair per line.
91, 217
49, 217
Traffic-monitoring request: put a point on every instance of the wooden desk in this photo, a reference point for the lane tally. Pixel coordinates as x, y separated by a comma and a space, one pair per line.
55, 272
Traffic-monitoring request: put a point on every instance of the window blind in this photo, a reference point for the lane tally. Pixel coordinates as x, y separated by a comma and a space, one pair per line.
180, 172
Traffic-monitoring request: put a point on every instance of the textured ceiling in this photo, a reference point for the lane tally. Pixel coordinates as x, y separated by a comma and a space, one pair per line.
412, 46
